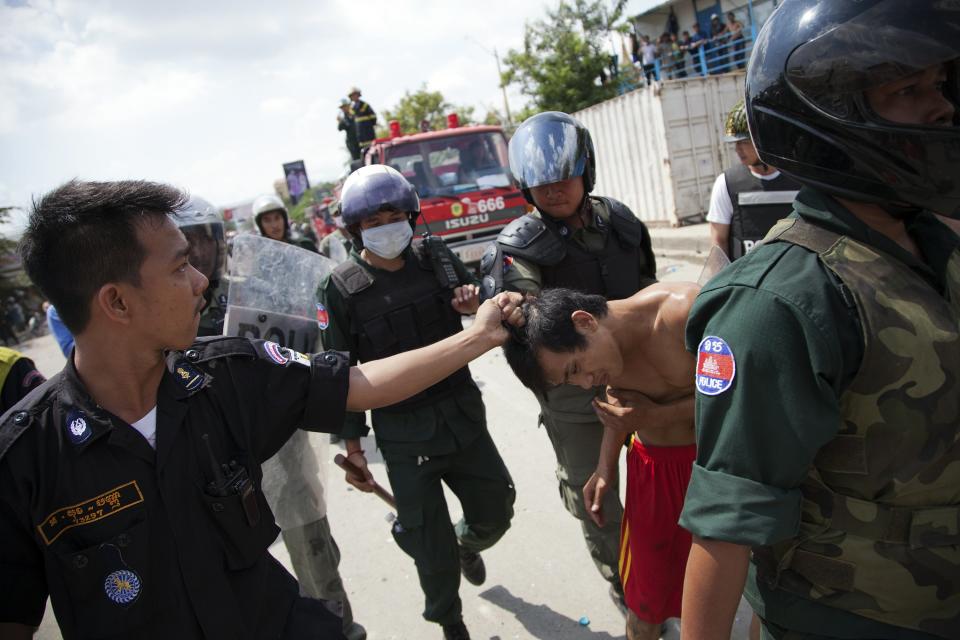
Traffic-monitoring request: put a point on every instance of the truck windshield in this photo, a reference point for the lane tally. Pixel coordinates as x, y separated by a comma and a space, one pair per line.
453, 165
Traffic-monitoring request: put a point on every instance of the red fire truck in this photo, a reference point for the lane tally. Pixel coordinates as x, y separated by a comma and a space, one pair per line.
463, 178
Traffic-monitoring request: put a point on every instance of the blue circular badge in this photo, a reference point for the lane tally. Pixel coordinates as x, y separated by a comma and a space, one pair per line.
716, 366
122, 586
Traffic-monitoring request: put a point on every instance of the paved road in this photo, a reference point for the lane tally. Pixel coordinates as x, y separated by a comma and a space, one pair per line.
540, 582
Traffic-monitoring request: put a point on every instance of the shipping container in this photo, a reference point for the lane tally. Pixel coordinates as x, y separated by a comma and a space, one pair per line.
659, 149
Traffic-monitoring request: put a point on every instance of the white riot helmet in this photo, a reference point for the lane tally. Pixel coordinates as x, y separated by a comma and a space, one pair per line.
265, 204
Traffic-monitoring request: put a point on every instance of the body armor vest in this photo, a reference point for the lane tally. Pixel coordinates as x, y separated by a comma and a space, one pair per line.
400, 311
623, 267
757, 206
880, 523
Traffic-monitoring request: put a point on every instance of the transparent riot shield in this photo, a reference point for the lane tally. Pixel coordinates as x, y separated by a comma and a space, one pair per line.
273, 296
715, 262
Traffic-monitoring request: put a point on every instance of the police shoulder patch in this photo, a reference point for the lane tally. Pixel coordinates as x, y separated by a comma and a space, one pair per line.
716, 366
275, 352
323, 317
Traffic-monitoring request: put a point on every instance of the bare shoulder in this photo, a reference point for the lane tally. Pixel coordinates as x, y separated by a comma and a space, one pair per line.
669, 301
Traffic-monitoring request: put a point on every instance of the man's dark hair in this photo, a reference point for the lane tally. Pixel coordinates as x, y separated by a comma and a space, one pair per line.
82, 235
548, 326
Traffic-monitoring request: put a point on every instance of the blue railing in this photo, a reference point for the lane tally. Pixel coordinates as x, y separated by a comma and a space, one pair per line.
718, 55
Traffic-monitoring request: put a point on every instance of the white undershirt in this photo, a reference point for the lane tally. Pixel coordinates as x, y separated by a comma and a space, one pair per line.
721, 208
147, 426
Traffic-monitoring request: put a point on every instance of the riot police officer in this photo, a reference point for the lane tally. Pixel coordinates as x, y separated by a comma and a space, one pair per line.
828, 371
390, 297
273, 222
202, 225
748, 199
583, 242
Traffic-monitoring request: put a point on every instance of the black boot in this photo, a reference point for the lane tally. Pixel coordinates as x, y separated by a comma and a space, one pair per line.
456, 631
472, 567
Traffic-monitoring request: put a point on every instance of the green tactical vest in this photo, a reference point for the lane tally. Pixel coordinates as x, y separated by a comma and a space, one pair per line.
880, 524
8, 358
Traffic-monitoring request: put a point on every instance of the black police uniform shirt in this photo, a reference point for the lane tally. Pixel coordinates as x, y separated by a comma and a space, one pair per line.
129, 541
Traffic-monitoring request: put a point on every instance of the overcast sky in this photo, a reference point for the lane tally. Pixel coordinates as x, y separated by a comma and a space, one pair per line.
215, 96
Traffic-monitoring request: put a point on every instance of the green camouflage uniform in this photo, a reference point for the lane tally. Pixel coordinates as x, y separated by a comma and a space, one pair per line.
832, 448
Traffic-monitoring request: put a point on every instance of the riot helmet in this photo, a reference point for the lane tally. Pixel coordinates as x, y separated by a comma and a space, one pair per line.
375, 188
807, 85
265, 204
735, 128
202, 225
550, 147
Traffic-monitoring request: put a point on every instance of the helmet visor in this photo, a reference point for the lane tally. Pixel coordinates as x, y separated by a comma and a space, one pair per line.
888, 41
208, 249
366, 194
547, 151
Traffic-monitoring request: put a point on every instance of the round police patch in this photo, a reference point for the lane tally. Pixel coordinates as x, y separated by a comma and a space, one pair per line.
275, 352
716, 366
77, 428
122, 586
323, 317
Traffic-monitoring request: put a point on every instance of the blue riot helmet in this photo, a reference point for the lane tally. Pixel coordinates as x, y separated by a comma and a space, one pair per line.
808, 112
375, 188
550, 147
202, 225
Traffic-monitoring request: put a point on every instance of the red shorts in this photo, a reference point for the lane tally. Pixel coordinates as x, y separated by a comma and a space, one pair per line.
653, 546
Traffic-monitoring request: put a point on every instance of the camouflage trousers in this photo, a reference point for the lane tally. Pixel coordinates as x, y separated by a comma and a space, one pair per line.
315, 557
575, 433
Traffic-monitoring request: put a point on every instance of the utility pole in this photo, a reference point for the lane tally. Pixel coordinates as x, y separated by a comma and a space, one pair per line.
503, 87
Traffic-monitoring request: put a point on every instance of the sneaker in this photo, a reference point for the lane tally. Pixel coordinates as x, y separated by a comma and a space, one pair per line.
472, 567
456, 631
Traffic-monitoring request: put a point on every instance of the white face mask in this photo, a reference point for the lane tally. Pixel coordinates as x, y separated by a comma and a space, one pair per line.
388, 240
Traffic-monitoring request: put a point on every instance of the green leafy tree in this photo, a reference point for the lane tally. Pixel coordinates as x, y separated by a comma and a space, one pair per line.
421, 105
565, 61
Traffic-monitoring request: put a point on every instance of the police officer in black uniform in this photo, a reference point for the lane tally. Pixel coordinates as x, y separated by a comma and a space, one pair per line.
389, 297
129, 482
578, 241
748, 199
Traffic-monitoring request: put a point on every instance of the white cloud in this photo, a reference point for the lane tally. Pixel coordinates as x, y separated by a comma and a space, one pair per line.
215, 96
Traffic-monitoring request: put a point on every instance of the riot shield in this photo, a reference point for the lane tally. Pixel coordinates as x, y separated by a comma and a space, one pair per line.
273, 296
715, 262
273, 292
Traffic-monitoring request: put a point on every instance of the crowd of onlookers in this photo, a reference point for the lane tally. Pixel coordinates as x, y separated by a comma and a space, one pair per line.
678, 54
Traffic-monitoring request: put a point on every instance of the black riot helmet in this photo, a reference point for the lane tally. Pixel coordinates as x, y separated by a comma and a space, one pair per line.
202, 225
809, 115
550, 147
375, 188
